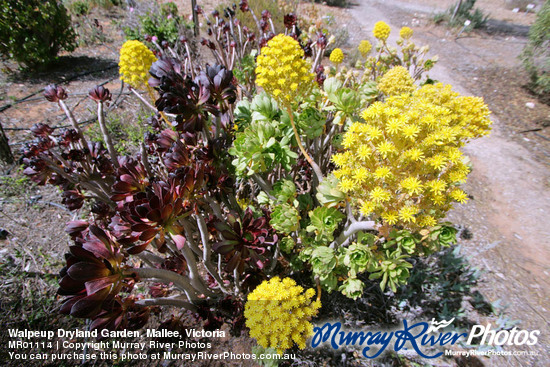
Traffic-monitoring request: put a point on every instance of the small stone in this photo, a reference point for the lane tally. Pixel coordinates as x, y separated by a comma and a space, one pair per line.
530, 105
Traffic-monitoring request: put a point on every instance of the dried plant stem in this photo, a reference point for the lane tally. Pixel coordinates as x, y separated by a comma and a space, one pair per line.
189, 238
313, 165
317, 60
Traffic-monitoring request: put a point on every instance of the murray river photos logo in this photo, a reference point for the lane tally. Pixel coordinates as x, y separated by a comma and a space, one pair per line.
418, 336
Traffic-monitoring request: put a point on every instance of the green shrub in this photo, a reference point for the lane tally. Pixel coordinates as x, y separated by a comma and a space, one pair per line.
165, 24
32, 32
536, 55
79, 8
338, 3
456, 17
105, 4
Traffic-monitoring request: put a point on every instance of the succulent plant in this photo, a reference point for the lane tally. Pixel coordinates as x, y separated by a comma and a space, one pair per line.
285, 218
246, 241
94, 274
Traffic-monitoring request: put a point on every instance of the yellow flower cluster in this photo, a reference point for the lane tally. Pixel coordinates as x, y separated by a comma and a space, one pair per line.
278, 314
135, 62
336, 56
381, 30
282, 71
396, 81
406, 33
364, 47
403, 165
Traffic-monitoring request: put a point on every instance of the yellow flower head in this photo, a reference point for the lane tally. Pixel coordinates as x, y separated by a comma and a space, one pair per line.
336, 56
282, 71
135, 61
396, 81
406, 33
381, 31
403, 164
278, 313
364, 47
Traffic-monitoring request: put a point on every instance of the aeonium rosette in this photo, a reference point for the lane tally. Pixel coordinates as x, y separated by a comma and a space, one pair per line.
94, 275
157, 210
246, 241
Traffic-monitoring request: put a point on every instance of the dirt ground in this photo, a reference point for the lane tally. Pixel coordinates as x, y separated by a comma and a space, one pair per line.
510, 181
509, 185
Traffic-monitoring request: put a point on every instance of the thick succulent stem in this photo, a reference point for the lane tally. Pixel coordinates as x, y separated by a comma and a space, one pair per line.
152, 96
355, 227
214, 205
313, 165
257, 21
194, 275
201, 224
263, 185
150, 257
275, 257
167, 276
106, 136
73, 121
145, 160
143, 100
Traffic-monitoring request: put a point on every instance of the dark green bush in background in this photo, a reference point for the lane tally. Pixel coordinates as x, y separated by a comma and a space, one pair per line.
536, 55
32, 32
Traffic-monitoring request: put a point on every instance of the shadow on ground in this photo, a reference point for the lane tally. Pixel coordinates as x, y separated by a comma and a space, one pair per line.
68, 68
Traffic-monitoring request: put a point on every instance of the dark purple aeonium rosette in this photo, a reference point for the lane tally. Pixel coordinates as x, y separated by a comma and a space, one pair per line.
94, 275
246, 241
